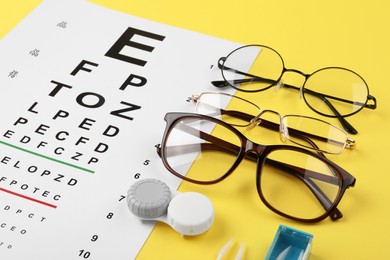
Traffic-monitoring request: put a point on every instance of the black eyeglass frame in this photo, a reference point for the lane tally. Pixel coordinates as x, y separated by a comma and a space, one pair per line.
349, 128
247, 148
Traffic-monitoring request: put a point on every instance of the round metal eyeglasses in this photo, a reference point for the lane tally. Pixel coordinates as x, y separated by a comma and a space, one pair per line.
331, 91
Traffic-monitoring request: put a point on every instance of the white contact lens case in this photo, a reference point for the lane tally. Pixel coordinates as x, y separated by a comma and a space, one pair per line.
189, 213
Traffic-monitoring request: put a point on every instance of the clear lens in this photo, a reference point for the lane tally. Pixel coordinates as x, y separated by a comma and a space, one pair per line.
314, 133
252, 68
204, 149
342, 89
298, 184
230, 109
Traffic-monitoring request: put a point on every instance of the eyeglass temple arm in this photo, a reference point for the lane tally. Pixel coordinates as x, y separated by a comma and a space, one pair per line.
221, 145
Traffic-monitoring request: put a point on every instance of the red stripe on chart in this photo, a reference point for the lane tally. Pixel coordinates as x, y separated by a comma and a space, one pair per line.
29, 198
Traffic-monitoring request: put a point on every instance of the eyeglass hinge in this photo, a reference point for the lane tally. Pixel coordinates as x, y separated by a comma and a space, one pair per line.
221, 61
350, 144
158, 148
371, 106
194, 98
335, 214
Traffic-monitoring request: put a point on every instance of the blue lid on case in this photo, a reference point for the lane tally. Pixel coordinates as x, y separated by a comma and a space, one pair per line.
290, 244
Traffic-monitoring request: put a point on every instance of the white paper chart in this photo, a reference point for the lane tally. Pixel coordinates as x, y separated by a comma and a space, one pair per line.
84, 90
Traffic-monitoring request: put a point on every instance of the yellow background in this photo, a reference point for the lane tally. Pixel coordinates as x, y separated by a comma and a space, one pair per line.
309, 35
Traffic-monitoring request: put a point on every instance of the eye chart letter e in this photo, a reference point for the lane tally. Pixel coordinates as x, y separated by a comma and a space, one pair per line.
125, 40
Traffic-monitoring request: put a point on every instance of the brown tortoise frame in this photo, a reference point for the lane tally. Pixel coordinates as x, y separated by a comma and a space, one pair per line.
254, 151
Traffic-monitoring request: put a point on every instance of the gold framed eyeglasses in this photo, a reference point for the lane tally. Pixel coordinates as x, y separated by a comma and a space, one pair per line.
305, 131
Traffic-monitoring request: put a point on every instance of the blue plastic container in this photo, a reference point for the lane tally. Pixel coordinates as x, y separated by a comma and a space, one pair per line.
290, 244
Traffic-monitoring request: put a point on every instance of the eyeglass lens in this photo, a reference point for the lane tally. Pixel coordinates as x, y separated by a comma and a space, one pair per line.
288, 193
293, 183
188, 142
324, 91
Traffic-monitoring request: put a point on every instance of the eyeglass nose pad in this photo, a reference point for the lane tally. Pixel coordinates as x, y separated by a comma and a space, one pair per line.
254, 122
279, 85
301, 93
283, 132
